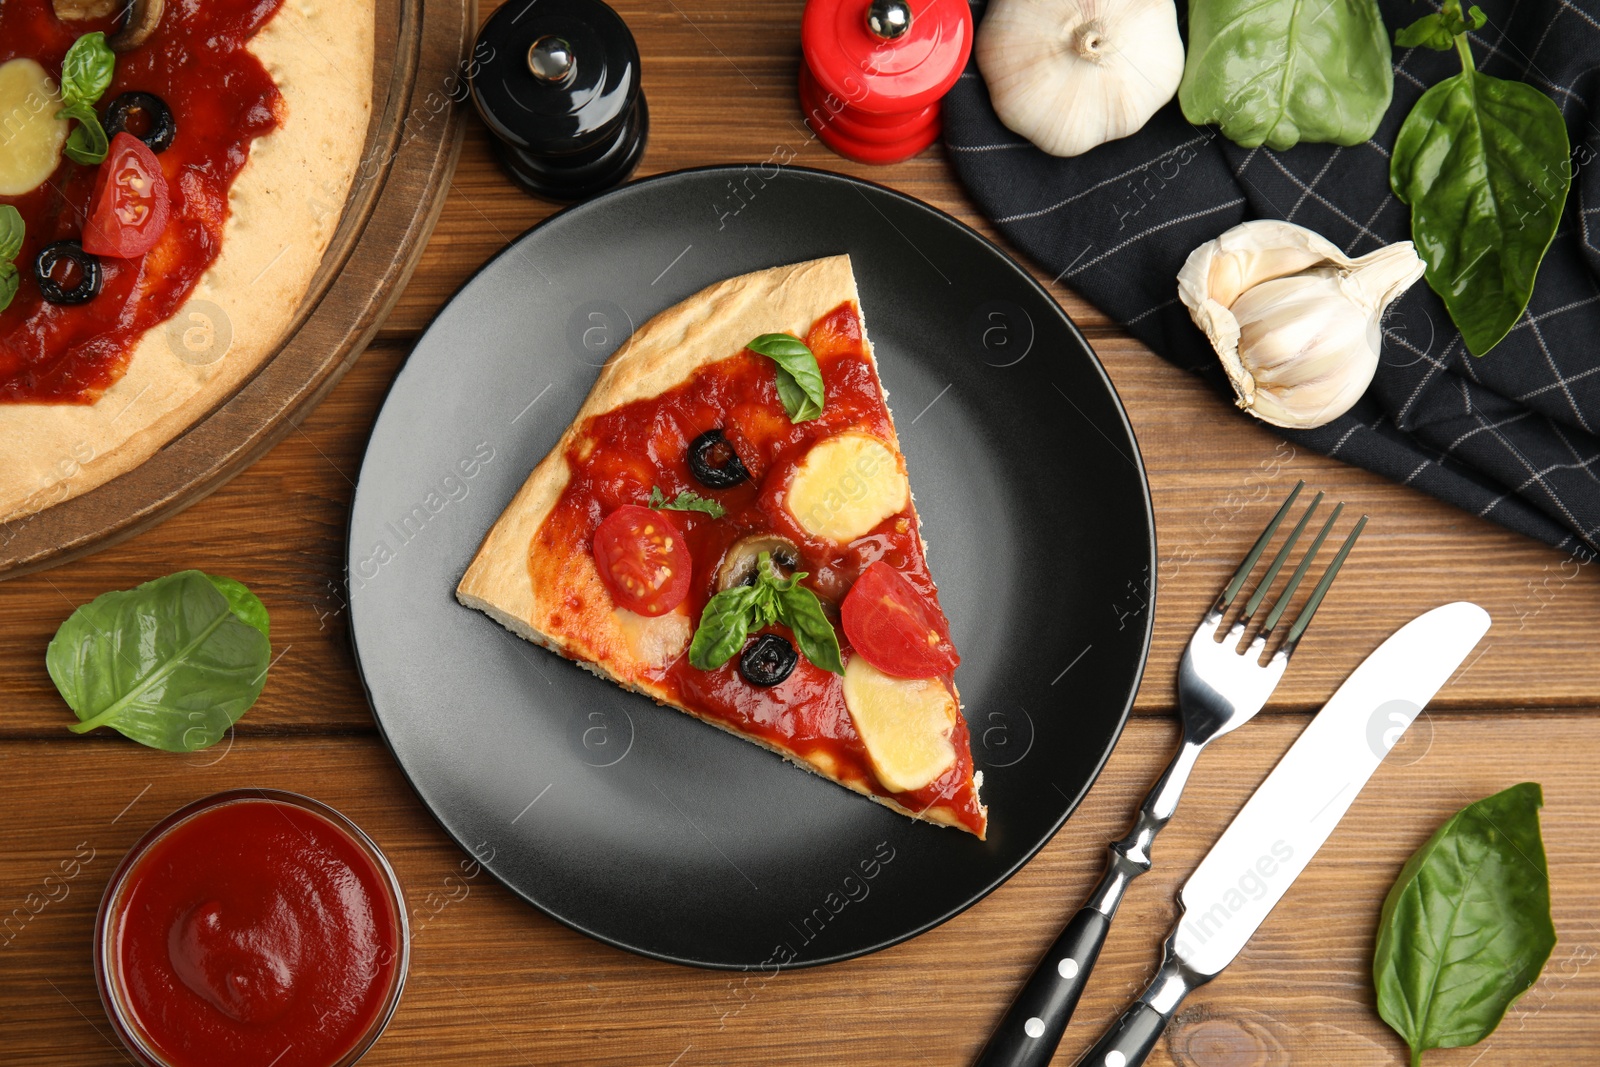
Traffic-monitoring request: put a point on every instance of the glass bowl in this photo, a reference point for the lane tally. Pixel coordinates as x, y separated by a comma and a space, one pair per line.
109, 972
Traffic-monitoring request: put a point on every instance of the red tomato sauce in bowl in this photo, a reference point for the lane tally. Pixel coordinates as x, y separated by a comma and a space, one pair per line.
254, 928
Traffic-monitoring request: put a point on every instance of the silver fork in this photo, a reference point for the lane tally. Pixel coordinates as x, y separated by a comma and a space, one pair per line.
1219, 690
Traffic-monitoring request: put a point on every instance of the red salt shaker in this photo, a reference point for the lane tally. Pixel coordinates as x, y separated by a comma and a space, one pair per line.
873, 72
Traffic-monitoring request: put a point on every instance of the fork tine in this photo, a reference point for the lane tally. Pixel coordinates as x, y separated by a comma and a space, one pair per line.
1278, 561
1282, 603
1232, 590
1304, 618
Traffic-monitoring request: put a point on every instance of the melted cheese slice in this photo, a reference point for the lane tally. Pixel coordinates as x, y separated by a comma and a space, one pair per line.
655, 641
905, 724
31, 137
846, 485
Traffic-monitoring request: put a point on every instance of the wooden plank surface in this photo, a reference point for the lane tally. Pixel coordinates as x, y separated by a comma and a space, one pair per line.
495, 982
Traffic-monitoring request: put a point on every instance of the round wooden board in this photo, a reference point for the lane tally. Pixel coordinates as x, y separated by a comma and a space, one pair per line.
412, 145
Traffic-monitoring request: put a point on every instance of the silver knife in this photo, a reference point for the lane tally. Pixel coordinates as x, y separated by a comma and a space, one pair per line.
1288, 818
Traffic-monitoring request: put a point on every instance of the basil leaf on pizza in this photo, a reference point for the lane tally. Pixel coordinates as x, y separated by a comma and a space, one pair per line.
87, 144
687, 500
12, 231
734, 614
796, 400
799, 378
724, 626
87, 70
771, 577
86, 73
8, 284
765, 610
801, 611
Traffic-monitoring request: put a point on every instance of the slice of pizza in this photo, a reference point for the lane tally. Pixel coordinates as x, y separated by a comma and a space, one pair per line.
727, 527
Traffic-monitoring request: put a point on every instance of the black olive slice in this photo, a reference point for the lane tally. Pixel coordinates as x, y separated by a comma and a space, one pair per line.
66, 273
146, 116
769, 661
714, 463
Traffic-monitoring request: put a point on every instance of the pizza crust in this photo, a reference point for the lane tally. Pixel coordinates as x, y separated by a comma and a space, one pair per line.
939, 815
667, 351
284, 207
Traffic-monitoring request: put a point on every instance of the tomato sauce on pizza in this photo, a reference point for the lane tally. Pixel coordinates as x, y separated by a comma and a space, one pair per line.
621, 458
221, 98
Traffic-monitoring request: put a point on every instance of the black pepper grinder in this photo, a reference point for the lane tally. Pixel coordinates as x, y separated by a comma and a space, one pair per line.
559, 89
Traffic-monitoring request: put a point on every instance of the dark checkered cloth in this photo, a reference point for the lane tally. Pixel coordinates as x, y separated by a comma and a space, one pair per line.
1513, 436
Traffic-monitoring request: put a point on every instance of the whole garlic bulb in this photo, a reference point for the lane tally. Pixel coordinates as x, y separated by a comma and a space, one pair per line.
1071, 74
1293, 319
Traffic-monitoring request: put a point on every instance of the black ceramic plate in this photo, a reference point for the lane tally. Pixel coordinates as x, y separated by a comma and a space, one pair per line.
634, 823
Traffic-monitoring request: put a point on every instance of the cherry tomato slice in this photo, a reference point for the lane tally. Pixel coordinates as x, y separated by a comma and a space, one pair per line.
898, 630
130, 207
643, 559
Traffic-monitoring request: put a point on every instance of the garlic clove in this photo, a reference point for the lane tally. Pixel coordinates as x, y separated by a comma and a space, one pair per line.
1377, 278
1311, 352
1072, 74
1294, 321
1254, 252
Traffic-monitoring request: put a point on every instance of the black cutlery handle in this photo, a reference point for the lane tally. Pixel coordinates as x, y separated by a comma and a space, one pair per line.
1032, 1028
1130, 1040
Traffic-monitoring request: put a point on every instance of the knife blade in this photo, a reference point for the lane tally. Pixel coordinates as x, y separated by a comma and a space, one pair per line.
1287, 819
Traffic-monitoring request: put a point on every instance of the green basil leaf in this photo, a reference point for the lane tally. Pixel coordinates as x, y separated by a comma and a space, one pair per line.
776, 581
1278, 72
734, 614
1438, 31
171, 664
1430, 31
244, 603
12, 231
724, 627
87, 143
87, 69
8, 284
770, 587
765, 612
799, 378
796, 401
1485, 166
1466, 928
687, 500
801, 611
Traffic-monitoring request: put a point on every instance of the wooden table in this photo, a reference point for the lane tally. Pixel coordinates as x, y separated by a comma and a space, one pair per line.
495, 982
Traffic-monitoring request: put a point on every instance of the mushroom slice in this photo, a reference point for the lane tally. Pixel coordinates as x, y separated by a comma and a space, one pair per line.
143, 17
80, 10
739, 562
